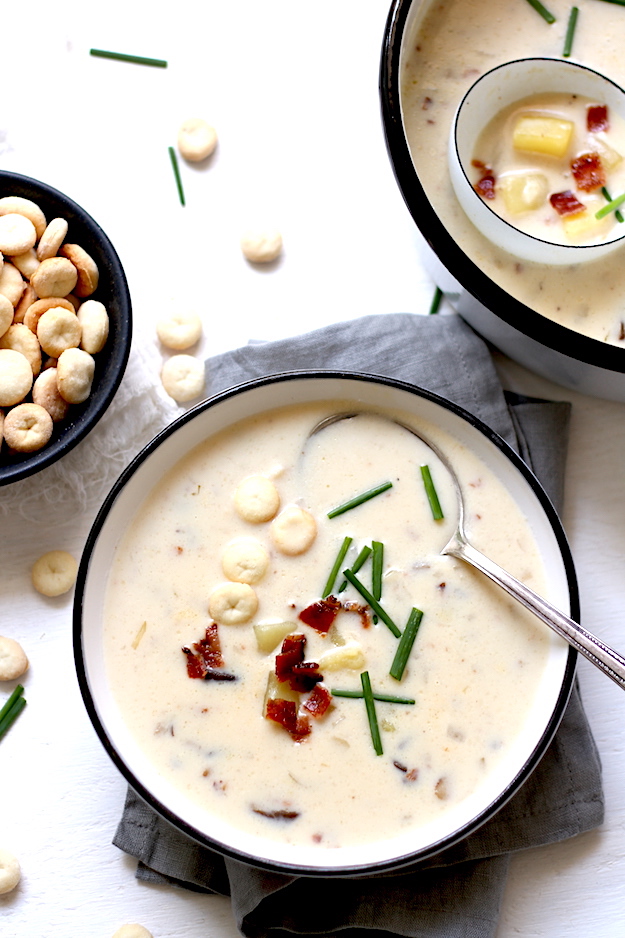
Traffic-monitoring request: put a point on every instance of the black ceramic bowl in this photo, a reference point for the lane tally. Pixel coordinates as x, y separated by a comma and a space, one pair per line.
112, 291
552, 350
138, 487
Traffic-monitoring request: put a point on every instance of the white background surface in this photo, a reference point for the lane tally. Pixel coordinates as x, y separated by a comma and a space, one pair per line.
292, 91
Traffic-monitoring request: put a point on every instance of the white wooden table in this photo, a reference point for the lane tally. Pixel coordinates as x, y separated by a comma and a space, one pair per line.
292, 91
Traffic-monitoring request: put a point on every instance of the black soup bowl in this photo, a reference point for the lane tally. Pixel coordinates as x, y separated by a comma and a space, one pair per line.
244, 812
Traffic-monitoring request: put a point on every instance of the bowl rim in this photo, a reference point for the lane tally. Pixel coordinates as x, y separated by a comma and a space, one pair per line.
513, 312
78, 428
203, 838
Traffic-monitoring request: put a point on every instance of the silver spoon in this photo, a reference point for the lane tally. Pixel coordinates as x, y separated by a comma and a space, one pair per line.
597, 652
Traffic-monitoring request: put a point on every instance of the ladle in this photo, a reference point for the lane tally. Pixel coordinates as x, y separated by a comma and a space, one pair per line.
597, 652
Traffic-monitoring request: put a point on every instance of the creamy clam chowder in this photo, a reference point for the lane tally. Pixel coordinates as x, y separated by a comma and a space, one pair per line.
214, 585
454, 42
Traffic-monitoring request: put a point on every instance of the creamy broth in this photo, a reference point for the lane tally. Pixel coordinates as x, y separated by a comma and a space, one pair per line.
473, 672
550, 174
453, 43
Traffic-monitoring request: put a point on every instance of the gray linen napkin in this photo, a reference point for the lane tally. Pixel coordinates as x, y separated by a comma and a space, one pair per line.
458, 893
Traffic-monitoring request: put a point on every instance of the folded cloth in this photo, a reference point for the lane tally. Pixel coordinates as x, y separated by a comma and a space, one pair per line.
458, 892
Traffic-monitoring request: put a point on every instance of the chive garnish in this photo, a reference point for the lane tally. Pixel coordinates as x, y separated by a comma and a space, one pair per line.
357, 564
375, 605
430, 491
384, 698
11, 709
405, 644
377, 562
436, 301
608, 198
338, 563
359, 499
122, 57
546, 15
371, 714
611, 206
570, 32
174, 164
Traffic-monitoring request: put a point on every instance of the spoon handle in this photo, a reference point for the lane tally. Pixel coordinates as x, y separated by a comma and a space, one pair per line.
597, 652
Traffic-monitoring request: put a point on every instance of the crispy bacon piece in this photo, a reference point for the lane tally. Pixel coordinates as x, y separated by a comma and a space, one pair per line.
292, 653
321, 615
485, 186
360, 610
566, 203
285, 713
290, 665
278, 814
319, 701
304, 676
597, 118
588, 172
204, 655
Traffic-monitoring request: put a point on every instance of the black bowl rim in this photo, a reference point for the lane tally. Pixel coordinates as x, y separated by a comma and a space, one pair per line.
520, 317
118, 356
224, 849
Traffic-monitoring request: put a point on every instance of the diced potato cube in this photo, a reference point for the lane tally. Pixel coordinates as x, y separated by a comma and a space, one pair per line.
270, 634
610, 158
349, 656
585, 227
550, 136
278, 690
523, 192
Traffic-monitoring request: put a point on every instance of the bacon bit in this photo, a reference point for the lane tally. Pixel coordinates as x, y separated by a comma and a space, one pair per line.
588, 172
317, 838
205, 654
321, 615
412, 775
440, 789
304, 676
319, 701
485, 186
292, 653
597, 118
362, 611
284, 712
441, 586
621, 335
566, 203
427, 103
400, 766
278, 815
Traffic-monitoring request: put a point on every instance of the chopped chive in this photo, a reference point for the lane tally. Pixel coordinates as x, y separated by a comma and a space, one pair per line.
570, 32
365, 680
377, 562
375, 605
405, 644
608, 198
337, 566
357, 564
359, 499
546, 15
384, 698
11, 709
430, 491
18, 691
436, 301
174, 164
611, 206
122, 57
